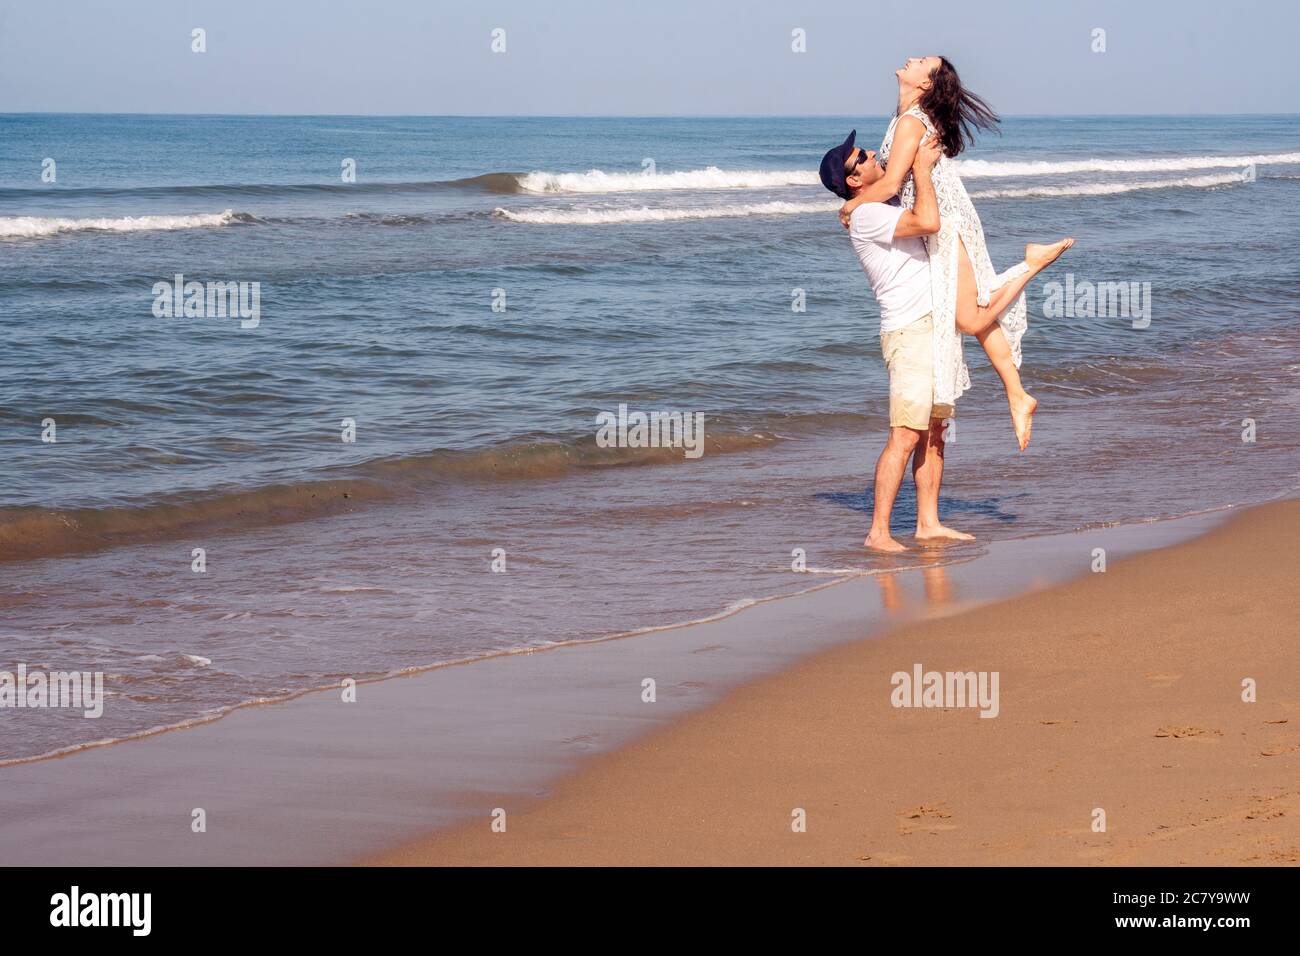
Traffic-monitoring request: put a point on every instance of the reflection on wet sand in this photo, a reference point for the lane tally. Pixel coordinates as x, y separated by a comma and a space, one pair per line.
898, 591
939, 589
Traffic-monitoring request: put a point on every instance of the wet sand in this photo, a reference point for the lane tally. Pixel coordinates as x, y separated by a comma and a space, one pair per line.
1119, 692
318, 780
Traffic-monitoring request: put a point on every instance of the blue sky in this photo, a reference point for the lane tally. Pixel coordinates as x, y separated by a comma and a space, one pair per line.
662, 57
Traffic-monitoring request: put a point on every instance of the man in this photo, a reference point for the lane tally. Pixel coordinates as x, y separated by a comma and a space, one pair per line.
890, 245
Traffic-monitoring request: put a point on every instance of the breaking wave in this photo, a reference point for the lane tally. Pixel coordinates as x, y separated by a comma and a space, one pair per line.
974, 168
1110, 189
598, 217
37, 227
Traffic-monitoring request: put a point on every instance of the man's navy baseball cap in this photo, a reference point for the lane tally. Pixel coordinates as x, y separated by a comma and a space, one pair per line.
833, 166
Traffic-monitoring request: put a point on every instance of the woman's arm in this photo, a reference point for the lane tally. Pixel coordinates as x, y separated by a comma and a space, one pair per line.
907, 137
923, 219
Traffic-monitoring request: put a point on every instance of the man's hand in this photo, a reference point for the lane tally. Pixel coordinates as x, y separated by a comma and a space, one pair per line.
923, 219
927, 154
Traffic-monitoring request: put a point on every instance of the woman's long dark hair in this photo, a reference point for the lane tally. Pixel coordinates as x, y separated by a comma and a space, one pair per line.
955, 111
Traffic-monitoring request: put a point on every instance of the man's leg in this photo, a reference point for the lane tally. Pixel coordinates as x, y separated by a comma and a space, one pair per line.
927, 472
890, 467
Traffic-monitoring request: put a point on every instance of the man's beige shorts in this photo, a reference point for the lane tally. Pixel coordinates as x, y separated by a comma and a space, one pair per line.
909, 356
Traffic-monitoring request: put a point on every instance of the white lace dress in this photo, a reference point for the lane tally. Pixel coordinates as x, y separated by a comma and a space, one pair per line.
958, 220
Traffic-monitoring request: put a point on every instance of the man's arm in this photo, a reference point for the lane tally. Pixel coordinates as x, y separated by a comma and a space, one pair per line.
923, 218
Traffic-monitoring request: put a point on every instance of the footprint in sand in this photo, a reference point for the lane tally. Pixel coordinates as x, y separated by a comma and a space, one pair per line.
925, 819
1276, 750
1276, 857
1279, 745
1266, 807
1181, 732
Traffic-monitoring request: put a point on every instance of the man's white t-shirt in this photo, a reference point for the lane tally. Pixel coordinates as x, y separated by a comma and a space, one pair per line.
899, 269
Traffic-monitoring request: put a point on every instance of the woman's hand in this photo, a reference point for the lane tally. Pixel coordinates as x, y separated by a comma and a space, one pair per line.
846, 211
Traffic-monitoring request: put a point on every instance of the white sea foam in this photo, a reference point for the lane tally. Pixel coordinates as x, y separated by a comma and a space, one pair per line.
975, 168
711, 177
1110, 189
599, 217
599, 181
32, 227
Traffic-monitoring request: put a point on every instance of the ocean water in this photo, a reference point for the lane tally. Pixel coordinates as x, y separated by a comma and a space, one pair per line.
645, 262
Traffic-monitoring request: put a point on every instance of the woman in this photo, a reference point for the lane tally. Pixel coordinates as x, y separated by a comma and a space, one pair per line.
969, 296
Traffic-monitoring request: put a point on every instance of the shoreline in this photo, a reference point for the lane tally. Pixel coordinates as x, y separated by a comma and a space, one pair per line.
1137, 713
832, 576
427, 751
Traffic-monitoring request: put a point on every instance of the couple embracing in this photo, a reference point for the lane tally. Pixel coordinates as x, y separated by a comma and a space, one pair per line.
921, 244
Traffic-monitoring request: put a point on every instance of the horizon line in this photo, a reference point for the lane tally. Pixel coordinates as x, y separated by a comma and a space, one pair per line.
513, 116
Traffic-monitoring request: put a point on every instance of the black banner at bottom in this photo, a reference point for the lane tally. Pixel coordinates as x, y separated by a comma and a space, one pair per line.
929, 905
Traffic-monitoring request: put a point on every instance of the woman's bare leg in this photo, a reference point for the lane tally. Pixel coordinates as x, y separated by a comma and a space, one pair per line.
1022, 404
994, 340
975, 318
982, 322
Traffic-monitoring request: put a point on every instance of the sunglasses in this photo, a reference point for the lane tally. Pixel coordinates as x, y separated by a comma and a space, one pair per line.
854, 164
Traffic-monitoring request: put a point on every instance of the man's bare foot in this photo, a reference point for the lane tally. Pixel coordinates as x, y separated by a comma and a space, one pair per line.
882, 542
1040, 256
940, 533
1022, 417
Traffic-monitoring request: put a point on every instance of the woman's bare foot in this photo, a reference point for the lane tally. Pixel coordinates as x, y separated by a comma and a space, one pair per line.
1022, 417
940, 533
1040, 256
882, 542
